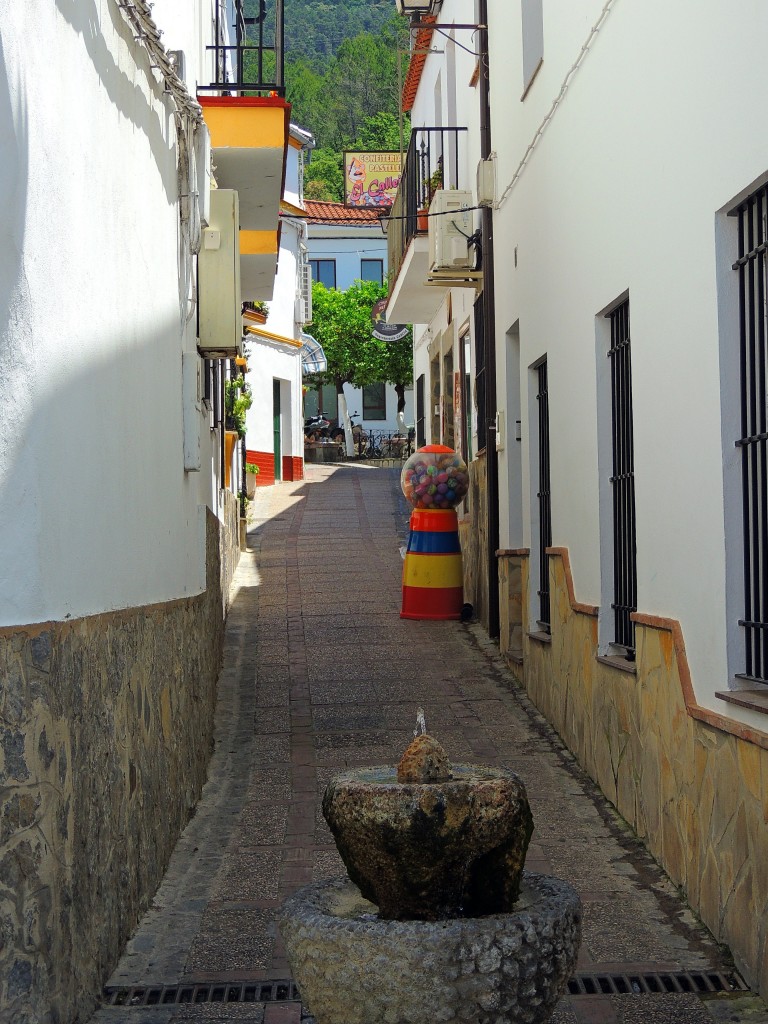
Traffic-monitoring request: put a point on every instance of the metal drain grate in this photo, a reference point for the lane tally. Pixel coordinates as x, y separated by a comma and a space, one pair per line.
698, 982
228, 992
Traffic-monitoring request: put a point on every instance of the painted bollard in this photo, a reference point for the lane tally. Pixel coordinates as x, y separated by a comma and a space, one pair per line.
434, 480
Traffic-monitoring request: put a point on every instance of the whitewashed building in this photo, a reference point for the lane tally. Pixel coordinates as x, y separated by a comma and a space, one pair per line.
628, 434
124, 265
275, 437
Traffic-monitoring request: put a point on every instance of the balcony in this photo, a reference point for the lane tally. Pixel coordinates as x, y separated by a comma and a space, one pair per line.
435, 159
248, 120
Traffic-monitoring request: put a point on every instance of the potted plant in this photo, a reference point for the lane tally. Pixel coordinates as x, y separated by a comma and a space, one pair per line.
430, 185
250, 479
237, 402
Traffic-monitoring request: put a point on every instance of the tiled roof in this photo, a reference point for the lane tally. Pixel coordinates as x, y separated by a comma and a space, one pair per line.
338, 213
416, 66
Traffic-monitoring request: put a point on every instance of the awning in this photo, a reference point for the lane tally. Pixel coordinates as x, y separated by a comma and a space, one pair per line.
312, 356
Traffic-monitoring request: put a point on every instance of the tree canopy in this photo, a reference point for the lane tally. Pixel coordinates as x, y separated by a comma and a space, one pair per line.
341, 322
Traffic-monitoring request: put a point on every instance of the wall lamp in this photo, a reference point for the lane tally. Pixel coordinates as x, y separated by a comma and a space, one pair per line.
417, 7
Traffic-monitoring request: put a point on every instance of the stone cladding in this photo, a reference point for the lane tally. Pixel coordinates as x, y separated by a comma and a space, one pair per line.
106, 726
691, 783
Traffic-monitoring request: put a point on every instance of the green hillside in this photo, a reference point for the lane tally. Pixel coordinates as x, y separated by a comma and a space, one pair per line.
314, 29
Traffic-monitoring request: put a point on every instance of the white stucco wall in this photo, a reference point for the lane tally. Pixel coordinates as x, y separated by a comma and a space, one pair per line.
655, 133
445, 99
269, 360
96, 511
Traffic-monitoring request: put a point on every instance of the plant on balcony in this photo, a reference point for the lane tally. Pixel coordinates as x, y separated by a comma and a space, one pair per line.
434, 182
429, 186
237, 402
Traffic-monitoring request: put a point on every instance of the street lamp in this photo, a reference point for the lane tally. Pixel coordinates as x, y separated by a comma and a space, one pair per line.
412, 8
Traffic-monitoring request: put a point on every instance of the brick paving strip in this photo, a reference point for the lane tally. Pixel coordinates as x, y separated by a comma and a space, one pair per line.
321, 674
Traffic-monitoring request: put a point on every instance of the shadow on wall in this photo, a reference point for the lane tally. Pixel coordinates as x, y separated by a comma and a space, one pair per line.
125, 95
14, 182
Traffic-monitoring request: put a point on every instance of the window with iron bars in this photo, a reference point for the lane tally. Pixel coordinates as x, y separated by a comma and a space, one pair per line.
544, 497
623, 483
753, 334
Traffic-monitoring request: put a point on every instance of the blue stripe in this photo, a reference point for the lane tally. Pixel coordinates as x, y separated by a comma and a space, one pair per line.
432, 542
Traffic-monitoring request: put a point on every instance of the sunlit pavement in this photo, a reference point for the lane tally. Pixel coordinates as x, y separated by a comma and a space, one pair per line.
321, 674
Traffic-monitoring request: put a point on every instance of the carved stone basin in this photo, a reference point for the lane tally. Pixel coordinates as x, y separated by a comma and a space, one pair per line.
426, 850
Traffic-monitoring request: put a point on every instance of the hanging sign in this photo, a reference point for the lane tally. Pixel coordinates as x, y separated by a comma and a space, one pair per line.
371, 179
381, 329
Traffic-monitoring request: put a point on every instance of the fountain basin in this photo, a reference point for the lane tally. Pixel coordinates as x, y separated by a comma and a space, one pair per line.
431, 850
353, 967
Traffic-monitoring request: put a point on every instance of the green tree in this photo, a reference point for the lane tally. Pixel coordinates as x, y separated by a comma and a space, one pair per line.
324, 176
382, 132
341, 322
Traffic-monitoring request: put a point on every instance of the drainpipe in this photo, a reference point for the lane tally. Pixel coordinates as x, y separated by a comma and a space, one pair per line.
489, 320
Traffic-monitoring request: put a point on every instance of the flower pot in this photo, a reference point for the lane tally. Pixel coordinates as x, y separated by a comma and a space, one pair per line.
250, 484
422, 220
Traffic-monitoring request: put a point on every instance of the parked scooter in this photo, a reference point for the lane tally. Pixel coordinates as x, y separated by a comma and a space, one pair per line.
318, 422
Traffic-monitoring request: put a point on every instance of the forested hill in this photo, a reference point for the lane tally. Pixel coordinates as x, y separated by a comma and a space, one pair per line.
314, 29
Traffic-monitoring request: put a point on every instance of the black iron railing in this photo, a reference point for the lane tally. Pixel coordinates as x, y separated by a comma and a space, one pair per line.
544, 496
623, 483
384, 444
434, 160
753, 330
255, 62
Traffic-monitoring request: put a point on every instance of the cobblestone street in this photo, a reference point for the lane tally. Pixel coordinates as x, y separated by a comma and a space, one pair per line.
321, 674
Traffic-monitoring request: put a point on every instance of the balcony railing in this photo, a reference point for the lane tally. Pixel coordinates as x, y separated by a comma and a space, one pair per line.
433, 161
255, 62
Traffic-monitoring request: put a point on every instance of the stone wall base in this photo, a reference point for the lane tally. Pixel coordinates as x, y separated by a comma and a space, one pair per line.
106, 729
693, 784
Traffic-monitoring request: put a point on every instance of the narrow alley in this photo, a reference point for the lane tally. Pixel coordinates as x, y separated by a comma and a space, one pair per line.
321, 674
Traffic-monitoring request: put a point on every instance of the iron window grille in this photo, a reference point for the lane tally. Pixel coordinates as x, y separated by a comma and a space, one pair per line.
255, 63
753, 331
544, 497
623, 483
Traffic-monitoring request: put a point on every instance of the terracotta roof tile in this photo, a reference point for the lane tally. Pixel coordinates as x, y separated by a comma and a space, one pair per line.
338, 213
416, 66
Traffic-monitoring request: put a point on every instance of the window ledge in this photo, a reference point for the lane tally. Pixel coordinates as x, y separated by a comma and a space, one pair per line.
541, 636
613, 661
755, 700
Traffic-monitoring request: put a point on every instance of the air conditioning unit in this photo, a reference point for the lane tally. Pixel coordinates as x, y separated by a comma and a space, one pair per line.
304, 300
220, 327
450, 225
486, 181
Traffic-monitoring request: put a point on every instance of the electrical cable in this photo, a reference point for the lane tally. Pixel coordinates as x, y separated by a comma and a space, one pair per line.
563, 88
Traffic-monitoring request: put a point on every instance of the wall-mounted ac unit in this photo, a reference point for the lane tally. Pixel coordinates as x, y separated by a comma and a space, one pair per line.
304, 300
220, 333
486, 181
450, 225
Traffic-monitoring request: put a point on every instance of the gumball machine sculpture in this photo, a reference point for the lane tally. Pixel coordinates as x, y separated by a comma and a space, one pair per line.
434, 480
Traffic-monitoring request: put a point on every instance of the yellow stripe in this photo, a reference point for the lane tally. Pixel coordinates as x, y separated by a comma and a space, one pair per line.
261, 333
432, 571
258, 243
246, 127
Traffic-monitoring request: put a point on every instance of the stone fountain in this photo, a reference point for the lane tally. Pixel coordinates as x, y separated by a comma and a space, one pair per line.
437, 921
